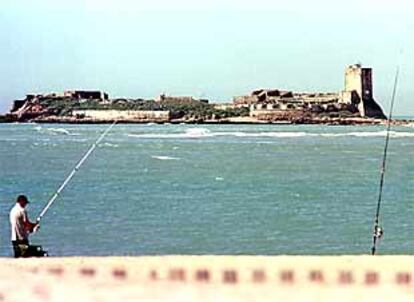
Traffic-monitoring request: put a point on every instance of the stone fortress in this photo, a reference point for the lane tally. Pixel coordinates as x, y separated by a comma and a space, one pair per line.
354, 104
356, 99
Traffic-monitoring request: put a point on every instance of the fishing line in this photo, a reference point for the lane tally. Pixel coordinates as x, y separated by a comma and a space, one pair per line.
73, 172
378, 231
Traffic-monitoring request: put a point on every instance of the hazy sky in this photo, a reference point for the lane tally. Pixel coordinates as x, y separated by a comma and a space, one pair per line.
214, 49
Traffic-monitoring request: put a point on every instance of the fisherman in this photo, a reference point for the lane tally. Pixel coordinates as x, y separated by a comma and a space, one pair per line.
20, 228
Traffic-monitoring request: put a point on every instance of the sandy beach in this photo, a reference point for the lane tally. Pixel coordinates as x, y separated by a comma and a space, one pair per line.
208, 278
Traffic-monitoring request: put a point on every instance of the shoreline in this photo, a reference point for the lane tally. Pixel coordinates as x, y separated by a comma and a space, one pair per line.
246, 120
322, 121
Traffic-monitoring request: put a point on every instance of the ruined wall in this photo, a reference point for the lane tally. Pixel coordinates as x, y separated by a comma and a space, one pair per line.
178, 99
245, 99
356, 97
81, 94
353, 79
17, 104
132, 115
366, 79
359, 80
372, 109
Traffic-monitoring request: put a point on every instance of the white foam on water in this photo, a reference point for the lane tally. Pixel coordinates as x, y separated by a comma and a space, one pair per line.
153, 135
109, 145
165, 157
394, 134
411, 125
59, 131
203, 133
23, 123
189, 133
402, 134
283, 134
7, 139
197, 133
54, 131
80, 140
219, 178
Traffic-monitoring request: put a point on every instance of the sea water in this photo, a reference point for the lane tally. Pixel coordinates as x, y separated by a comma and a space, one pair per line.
210, 189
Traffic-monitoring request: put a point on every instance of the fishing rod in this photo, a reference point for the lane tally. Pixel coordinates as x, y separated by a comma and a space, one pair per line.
73, 172
378, 231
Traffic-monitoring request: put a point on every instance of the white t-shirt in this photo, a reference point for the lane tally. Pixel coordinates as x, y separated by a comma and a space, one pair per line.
18, 217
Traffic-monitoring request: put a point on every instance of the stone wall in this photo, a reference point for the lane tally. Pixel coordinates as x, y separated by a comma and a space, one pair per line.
125, 115
245, 99
86, 94
179, 99
356, 97
359, 81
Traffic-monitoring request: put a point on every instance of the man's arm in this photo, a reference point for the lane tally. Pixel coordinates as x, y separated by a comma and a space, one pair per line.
28, 225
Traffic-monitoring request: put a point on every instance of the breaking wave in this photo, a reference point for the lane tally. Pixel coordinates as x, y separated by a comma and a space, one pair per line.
196, 133
109, 145
395, 134
54, 131
165, 157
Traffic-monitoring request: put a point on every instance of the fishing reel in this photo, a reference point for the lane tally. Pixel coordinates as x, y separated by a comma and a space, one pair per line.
37, 251
378, 232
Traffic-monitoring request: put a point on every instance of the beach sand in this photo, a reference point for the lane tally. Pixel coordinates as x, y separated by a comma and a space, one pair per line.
208, 278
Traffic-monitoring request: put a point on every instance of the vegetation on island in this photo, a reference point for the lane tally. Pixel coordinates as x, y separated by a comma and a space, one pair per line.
178, 109
69, 108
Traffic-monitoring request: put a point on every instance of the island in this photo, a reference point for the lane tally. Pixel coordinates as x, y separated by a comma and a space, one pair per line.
353, 105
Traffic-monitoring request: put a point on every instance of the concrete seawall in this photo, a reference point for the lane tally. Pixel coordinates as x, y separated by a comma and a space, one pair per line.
126, 115
208, 278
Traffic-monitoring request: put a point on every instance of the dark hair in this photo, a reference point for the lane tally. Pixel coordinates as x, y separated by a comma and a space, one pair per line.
21, 198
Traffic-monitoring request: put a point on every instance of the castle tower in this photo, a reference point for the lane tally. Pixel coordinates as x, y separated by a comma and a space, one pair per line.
359, 80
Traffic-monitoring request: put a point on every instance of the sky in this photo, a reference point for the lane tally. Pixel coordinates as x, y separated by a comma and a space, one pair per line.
213, 49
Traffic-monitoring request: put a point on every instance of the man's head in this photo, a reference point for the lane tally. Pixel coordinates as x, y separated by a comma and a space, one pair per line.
22, 200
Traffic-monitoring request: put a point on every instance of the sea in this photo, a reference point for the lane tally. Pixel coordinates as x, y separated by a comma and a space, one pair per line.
154, 189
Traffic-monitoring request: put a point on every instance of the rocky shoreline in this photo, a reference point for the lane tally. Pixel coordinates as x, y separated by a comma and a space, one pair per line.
235, 121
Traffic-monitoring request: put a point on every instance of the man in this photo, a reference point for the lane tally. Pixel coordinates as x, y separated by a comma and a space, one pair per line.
21, 227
